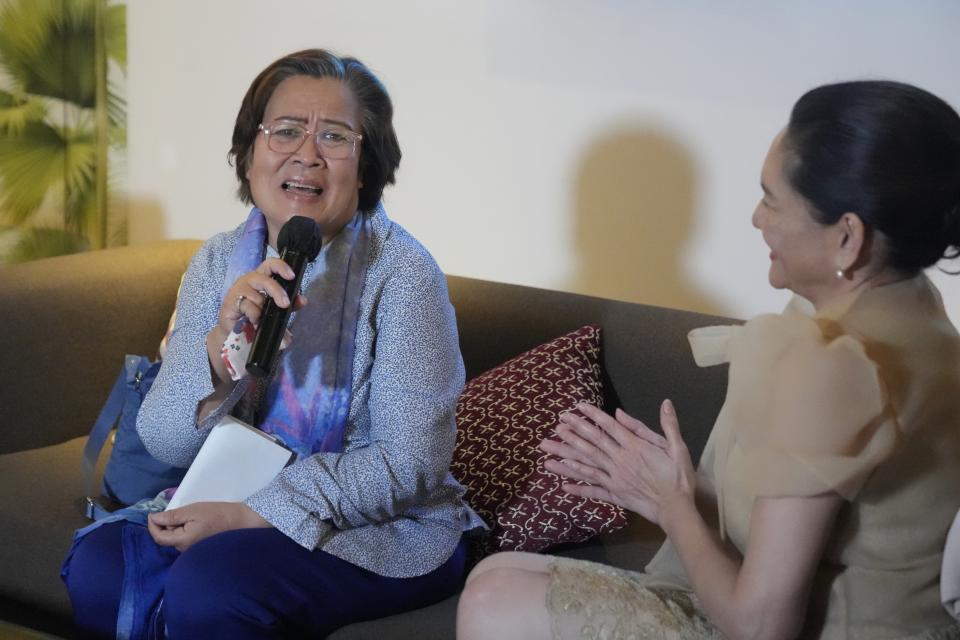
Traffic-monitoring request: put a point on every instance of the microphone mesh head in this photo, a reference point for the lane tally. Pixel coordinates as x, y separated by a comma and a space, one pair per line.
302, 235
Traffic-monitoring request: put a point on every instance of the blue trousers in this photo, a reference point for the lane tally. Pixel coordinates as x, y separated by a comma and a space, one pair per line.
250, 583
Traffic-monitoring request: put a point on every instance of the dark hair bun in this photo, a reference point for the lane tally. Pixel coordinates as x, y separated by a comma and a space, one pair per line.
889, 152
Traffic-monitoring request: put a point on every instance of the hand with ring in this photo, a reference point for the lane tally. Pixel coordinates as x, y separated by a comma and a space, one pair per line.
247, 298
249, 294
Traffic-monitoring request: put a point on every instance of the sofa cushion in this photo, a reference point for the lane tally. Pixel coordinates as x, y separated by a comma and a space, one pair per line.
502, 415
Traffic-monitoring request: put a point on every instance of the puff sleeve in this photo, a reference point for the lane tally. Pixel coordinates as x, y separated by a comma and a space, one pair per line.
812, 414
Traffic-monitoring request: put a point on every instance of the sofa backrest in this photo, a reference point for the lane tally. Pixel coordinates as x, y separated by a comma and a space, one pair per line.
645, 353
68, 321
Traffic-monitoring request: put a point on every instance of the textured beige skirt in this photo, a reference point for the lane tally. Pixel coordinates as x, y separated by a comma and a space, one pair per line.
587, 600
591, 601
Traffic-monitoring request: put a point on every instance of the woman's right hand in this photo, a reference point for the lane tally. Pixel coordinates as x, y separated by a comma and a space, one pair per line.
249, 294
247, 297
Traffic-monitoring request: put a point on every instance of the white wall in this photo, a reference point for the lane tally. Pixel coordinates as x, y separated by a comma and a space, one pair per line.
606, 147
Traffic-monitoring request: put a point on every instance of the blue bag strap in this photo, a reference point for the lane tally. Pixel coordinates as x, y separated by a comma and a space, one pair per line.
101, 429
130, 374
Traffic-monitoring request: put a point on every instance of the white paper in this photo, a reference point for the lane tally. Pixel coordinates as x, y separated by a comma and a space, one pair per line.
234, 462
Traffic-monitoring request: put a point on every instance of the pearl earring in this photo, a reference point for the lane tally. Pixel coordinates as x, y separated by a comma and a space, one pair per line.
840, 274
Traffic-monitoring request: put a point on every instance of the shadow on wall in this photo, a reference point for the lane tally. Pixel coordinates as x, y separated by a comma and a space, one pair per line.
635, 198
146, 221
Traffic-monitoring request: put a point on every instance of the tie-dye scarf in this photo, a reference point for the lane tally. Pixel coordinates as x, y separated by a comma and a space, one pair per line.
306, 404
307, 398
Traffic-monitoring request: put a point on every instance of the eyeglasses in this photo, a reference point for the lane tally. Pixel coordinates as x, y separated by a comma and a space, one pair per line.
333, 141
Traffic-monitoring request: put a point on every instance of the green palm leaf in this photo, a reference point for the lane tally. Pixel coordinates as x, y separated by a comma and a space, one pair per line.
15, 113
79, 173
47, 46
40, 160
24, 29
34, 50
117, 111
39, 243
60, 116
79, 165
30, 165
115, 24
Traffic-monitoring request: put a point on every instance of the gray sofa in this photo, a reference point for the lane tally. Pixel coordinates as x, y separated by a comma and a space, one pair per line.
68, 321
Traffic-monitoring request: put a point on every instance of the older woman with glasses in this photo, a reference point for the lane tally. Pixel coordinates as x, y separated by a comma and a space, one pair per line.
368, 521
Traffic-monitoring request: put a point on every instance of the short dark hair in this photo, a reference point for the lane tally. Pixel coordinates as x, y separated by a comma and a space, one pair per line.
887, 151
379, 151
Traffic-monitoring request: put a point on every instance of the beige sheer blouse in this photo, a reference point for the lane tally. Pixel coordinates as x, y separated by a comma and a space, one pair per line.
863, 399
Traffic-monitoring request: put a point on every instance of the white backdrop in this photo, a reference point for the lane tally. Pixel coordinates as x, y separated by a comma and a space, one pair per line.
606, 147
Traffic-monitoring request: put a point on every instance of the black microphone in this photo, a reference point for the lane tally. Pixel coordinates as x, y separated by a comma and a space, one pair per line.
299, 243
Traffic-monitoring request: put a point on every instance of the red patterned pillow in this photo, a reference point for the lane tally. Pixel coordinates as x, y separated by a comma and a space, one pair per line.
502, 415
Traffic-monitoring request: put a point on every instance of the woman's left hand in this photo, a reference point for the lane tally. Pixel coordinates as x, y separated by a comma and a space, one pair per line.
184, 527
623, 461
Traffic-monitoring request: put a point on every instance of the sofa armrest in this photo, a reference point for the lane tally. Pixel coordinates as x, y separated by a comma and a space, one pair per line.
67, 322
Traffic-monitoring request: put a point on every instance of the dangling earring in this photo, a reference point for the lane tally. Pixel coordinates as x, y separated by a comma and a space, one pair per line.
840, 274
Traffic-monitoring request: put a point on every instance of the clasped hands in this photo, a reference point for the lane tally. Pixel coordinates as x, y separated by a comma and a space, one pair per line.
622, 460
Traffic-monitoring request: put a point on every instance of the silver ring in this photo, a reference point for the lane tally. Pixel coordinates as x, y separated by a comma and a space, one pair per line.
240, 299
263, 292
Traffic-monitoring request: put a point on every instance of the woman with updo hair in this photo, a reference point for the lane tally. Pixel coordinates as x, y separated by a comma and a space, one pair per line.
824, 495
